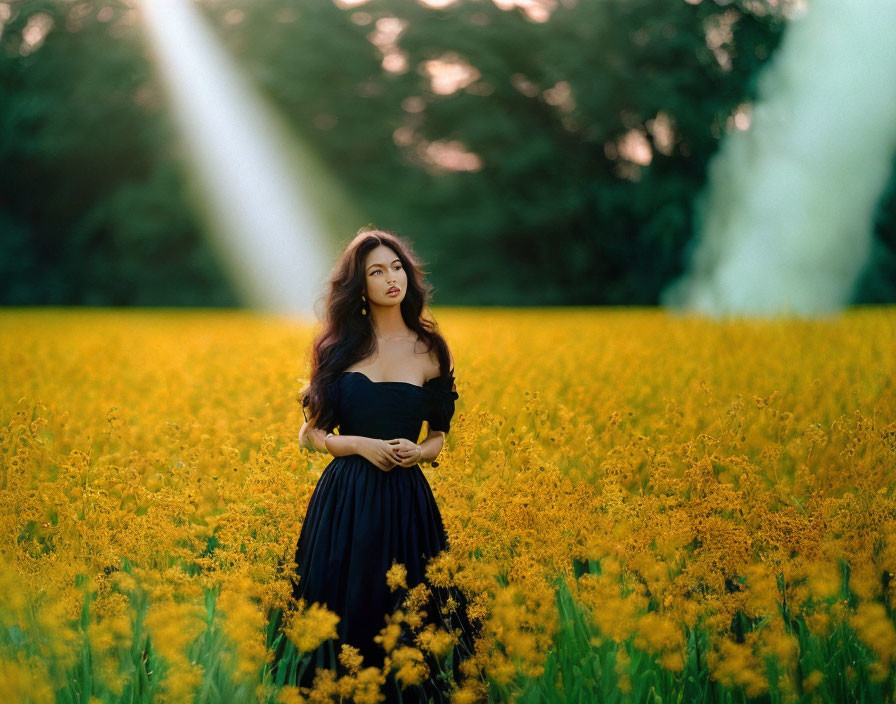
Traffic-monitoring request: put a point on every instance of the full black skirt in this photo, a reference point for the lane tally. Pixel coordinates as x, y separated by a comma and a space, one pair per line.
360, 520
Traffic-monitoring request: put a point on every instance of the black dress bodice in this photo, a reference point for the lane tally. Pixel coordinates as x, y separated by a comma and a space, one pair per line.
391, 409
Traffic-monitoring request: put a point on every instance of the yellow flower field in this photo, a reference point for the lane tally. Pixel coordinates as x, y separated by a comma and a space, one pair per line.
639, 505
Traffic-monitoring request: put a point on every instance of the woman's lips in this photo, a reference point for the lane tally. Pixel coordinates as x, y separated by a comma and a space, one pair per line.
393, 292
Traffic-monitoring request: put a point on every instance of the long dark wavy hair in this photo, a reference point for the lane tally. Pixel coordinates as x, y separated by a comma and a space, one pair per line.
347, 335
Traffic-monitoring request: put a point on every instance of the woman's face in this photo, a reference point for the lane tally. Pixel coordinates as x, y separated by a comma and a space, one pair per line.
383, 271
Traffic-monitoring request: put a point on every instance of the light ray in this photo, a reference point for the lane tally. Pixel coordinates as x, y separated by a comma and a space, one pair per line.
271, 207
785, 225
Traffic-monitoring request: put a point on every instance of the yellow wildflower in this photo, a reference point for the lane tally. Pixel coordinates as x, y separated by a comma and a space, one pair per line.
824, 580
735, 665
672, 661
350, 657
345, 687
819, 623
368, 690
875, 629
621, 669
436, 641
469, 693
324, 687
499, 668
878, 672
23, 682
781, 645
311, 627
290, 695
441, 568
657, 633
812, 680
124, 582
388, 636
396, 576
417, 597
410, 665
174, 627
243, 622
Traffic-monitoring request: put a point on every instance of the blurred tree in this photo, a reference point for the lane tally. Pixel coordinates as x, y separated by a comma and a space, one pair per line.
877, 284
91, 210
587, 136
531, 162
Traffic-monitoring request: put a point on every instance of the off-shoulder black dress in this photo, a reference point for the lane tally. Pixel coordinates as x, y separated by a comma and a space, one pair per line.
361, 519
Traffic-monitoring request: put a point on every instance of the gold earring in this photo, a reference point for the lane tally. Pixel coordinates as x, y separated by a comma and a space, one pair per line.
363, 301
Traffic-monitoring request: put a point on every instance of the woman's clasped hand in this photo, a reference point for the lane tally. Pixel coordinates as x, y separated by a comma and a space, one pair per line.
387, 454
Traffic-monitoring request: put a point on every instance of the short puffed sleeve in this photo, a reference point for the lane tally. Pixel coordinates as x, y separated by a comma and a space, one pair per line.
331, 393
443, 394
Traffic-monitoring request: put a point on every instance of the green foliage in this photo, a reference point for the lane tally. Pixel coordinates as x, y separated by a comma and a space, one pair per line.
878, 281
548, 193
93, 210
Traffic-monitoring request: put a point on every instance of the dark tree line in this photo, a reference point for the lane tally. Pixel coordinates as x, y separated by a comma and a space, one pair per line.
588, 135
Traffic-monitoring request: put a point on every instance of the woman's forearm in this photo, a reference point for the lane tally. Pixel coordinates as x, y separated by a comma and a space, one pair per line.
341, 445
431, 447
336, 445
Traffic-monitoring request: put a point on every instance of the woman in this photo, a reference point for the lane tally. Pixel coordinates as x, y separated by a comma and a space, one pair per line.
378, 370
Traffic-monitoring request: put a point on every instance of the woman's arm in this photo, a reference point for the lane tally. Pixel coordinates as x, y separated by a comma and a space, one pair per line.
341, 445
432, 445
310, 437
318, 440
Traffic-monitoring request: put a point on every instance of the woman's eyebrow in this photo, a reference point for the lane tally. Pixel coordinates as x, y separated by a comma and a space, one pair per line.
392, 262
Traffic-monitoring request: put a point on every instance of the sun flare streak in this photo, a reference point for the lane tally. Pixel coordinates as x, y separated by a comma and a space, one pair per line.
264, 198
785, 225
